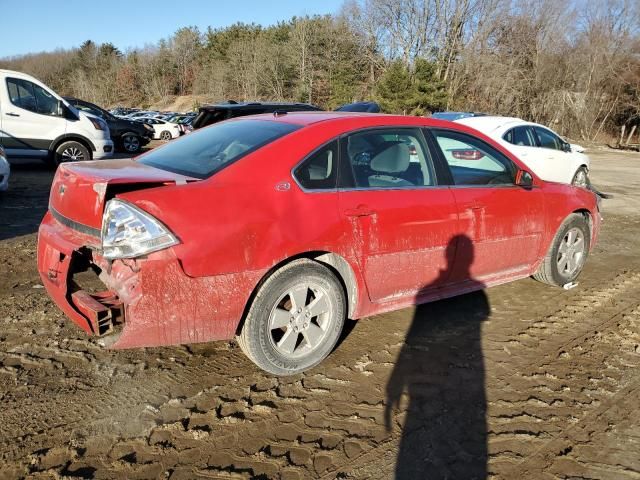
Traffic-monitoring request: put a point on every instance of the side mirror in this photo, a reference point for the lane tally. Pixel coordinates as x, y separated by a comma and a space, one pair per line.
67, 113
524, 179
566, 147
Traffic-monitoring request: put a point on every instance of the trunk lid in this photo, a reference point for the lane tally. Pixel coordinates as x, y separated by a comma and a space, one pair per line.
80, 190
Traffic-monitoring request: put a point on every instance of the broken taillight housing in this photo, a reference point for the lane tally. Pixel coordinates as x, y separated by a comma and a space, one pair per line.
129, 232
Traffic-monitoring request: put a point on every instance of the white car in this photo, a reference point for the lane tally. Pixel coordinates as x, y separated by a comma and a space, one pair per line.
140, 115
163, 130
36, 122
5, 170
541, 149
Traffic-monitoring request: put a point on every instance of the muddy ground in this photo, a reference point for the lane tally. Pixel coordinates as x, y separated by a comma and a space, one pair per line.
523, 381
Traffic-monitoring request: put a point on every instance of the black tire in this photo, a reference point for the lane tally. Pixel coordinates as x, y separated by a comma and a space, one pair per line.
581, 178
264, 343
165, 135
549, 270
70, 151
130, 142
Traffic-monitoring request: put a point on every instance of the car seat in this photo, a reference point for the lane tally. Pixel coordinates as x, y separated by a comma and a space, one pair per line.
388, 164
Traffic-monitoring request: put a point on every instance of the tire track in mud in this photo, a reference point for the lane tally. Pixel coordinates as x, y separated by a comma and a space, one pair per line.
312, 440
533, 404
206, 411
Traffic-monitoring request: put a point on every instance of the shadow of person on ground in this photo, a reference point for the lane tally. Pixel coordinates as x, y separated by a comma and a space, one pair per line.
441, 369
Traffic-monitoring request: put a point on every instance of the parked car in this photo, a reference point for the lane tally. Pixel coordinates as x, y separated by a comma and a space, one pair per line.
36, 122
122, 111
186, 124
140, 114
5, 171
363, 107
546, 153
127, 135
210, 114
247, 229
162, 130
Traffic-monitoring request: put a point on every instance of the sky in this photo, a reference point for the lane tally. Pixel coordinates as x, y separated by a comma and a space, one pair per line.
31, 26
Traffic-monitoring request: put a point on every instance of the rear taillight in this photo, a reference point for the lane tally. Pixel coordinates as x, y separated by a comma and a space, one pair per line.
467, 154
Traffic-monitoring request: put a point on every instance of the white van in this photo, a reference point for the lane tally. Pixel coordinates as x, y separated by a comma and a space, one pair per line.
37, 122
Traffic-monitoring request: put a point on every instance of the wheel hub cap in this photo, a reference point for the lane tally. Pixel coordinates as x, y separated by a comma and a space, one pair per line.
571, 252
73, 154
300, 320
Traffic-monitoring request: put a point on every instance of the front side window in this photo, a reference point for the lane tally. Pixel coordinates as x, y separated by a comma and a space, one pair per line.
207, 151
389, 158
473, 162
548, 139
31, 97
521, 136
319, 171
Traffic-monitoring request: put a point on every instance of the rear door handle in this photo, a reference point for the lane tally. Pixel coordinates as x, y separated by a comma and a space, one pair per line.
13, 114
359, 211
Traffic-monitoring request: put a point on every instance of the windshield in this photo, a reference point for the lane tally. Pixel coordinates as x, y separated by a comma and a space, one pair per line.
207, 151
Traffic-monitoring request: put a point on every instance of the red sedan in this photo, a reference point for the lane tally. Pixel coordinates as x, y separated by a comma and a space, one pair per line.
275, 228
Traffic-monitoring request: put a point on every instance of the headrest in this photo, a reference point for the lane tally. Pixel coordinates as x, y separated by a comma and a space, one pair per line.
393, 159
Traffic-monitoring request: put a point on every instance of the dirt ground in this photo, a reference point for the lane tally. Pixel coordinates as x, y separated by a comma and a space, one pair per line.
520, 381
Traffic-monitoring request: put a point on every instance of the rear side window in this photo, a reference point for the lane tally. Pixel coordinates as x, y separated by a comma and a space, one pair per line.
473, 162
548, 139
207, 151
29, 96
319, 171
521, 136
388, 158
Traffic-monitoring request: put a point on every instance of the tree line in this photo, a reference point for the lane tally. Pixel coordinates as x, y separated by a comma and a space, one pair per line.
571, 64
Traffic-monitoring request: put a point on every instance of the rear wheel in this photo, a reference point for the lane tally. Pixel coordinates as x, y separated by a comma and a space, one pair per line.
165, 135
295, 318
581, 178
567, 254
71, 151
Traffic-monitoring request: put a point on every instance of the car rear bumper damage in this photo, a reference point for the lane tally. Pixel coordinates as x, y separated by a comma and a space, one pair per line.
137, 302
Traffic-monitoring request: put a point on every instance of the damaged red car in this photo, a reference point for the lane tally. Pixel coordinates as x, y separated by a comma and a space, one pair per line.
274, 229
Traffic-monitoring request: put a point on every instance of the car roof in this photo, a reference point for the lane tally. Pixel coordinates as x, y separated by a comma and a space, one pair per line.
15, 73
379, 119
240, 105
491, 123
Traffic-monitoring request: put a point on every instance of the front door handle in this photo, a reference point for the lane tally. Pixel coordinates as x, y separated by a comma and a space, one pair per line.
359, 211
11, 114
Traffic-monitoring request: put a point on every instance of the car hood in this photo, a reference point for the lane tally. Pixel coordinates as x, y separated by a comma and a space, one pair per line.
80, 189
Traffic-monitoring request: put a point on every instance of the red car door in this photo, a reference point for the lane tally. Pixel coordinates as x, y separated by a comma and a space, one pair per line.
503, 221
400, 220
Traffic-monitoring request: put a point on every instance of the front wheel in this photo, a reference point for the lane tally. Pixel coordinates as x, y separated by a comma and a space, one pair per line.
71, 151
131, 143
568, 252
295, 318
165, 135
581, 178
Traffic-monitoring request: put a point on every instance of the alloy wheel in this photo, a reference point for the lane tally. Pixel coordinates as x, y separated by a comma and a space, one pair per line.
300, 320
571, 253
131, 143
581, 179
72, 154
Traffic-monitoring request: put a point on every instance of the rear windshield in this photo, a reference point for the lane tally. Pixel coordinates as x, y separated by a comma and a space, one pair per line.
207, 151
